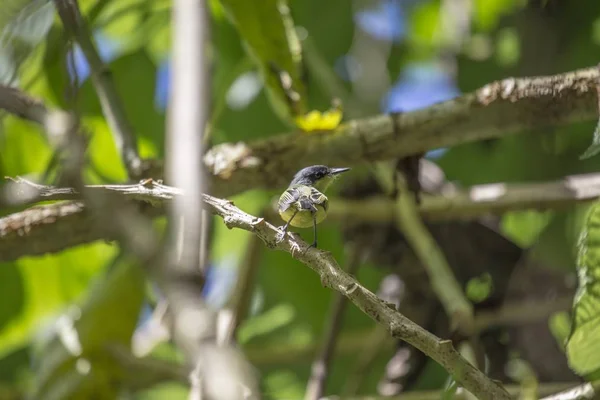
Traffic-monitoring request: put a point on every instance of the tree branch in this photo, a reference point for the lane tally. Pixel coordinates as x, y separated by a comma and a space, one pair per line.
582, 392
499, 109
55, 227
335, 278
110, 101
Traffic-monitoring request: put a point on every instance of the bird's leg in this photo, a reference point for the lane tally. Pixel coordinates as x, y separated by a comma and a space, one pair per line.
314, 216
283, 229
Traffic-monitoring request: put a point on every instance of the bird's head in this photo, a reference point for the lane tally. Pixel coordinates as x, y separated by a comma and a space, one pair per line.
318, 176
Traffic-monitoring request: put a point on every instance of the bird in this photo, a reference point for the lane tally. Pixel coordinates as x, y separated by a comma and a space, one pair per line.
303, 203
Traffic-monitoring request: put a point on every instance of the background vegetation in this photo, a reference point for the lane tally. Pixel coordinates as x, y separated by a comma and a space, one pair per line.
376, 56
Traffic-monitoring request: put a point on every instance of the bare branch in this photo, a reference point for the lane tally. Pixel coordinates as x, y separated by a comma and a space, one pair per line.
16, 102
55, 227
582, 392
520, 313
515, 390
334, 277
499, 109
110, 101
495, 198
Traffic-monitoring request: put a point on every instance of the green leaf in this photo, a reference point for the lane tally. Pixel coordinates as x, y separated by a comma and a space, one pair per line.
73, 362
270, 37
595, 146
23, 24
48, 283
479, 288
583, 346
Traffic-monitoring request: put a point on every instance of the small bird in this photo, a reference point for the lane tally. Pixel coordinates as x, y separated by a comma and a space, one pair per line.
303, 204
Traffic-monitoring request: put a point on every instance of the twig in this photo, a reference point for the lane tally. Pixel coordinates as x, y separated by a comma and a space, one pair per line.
110, 101
320, 367
474, 201
581, 392
514, 390
443, 281
499, 109
519, 313
16, 102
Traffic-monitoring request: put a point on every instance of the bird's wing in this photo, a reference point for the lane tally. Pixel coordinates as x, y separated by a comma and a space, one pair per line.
319, 198
288, 197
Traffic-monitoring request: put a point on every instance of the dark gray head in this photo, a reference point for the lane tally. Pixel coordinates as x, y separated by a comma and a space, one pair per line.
319, 176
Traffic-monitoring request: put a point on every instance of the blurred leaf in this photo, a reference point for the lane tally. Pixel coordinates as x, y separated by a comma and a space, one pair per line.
23, 24
560, 326
479, 288
488, 12
583, 346
508, 49
524, 227
270, 36
171, 391
134, 76
595, 146
48, 282
73, 360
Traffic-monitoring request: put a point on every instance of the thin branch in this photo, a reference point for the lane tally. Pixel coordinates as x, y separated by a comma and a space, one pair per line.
519, 313
507, 107
443, 281
495, 198
55, 227
110, 101
514, 390
320, 367
334, 277
581, 392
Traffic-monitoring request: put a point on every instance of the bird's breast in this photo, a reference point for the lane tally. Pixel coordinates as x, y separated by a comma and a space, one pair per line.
304, 218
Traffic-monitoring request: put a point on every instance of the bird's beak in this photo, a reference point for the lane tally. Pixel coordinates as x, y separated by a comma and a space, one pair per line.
335, 171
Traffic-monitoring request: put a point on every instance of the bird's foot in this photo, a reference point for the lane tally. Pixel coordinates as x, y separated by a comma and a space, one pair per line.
280, 235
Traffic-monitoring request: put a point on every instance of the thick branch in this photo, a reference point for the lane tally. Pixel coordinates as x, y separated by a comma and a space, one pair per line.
502, 108
16, 102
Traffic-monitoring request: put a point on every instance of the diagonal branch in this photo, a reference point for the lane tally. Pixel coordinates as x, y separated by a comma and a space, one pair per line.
507, 107
110, 101
333, 277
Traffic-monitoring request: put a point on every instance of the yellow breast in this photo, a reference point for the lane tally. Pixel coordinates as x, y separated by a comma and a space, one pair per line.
304, 218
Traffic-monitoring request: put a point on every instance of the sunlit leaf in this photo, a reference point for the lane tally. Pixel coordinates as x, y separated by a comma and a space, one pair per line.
48, 283
583, 347
318, 121
72, 358
268, 31
595, 146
